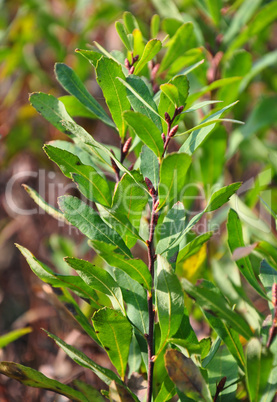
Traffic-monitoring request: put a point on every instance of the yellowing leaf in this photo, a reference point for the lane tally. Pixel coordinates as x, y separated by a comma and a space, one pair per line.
191, 266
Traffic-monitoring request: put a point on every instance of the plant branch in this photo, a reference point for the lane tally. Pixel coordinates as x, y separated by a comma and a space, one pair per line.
151, 264
171, 131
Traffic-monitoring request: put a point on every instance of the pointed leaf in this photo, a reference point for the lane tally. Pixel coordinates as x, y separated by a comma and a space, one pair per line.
107, 71
169, 301
209, 297
121, 224
43, 204
141, 99
172, 226
235, 240
180, 42
89, 222
80, 358
186, 375
135, 297
228, 336
32, 378
123, 35
258, 367
172, 177
151, 49
198, 136
98, 279
73, 85
130, 198
149, 165
56, 280
12, 336
90, 183
221, 196
91, 55
134, 267
115, 333
223, 365
193, 246
146, 130
50, 108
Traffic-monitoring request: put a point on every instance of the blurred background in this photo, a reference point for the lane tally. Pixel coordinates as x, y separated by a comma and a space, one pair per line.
236, 39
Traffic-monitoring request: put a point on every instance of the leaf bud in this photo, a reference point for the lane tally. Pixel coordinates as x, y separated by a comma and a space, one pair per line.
163, 137
132, 69
127, 63
167, 117
179, 109
173, 131
127, 146
135, 58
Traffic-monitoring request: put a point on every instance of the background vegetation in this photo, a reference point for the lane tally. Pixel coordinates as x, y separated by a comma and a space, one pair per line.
237, 41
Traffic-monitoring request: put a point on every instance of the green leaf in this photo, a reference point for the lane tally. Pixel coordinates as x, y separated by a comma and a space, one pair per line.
235, 240
130, 21
130, 198
75, 108
155, 25
98, 279
73, 129
151, 49
89, 182
121, 224
149, 165
186, 376
134, 267
262, 19
180, 42
107, 71
106, 375
215, 7
56, 280
50, 108
115, 333
223, 82
209, 297
268, 60
268, 276
172, 177
73, 85
258, 367
193, 246
228, 336
169, 301
13, 336
221, 196
43, 204
91, 55
198, 136
223, 365
32, 378
240, 19
217, 200
172, 226
167, 391
87, 390
141, 99
89, 222
171, 91
146, 130
135, 297
123, 35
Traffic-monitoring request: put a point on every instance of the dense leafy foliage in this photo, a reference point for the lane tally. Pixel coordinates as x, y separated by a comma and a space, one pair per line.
143, 194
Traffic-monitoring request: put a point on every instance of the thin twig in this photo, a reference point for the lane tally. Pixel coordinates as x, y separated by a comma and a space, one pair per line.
151, 313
